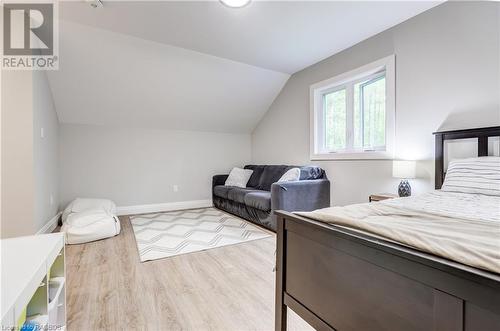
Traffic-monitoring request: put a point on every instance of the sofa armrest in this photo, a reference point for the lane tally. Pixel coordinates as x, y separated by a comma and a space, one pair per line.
218, 180
302, 195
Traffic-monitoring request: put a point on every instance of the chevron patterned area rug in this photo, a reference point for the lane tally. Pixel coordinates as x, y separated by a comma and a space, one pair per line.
179, 232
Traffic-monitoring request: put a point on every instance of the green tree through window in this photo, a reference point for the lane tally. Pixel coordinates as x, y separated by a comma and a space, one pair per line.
368, 116
353, 114
335, 120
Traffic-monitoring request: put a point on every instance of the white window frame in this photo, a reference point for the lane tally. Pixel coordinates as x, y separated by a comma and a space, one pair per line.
317, 92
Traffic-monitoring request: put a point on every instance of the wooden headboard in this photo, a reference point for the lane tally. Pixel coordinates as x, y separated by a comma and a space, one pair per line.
482, 135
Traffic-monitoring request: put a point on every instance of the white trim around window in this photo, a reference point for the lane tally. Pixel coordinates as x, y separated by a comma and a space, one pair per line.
318, 150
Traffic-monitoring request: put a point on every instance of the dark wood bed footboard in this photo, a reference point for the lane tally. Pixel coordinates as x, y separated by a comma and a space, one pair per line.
337, 279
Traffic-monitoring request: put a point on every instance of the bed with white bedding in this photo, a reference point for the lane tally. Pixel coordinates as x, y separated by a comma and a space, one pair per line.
463, 227
419, 263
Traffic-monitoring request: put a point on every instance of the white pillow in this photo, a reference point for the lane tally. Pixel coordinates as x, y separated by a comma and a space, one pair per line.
290, 176
238, 177
479, 175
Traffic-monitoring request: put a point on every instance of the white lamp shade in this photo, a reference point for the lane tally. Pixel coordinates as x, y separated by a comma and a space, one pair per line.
235, 3
404, 169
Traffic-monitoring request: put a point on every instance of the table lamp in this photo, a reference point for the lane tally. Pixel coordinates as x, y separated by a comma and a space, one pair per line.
404, 170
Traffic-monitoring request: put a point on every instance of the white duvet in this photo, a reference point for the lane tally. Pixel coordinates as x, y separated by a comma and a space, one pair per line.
452, 204
458, 226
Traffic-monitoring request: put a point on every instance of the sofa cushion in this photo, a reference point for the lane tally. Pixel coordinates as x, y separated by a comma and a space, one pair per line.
311, 172
238, 194
238, 177
291, 175
259, 199
257, 173
222, 191
270, 175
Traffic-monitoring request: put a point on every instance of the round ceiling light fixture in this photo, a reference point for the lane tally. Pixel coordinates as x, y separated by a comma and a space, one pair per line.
235, 3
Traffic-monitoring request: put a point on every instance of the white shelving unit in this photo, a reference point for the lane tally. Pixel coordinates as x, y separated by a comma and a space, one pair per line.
33, 282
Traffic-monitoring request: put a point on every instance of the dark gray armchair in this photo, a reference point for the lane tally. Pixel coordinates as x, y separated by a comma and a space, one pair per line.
263, 194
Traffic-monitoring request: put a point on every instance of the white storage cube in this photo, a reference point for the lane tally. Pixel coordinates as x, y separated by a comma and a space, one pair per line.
53, 315
61, 317
35, 286
56, 298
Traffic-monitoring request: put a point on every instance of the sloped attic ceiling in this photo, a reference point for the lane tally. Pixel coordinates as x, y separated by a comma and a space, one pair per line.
106, 78
198, 65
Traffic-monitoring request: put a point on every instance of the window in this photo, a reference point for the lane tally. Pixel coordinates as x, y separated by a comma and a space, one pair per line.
352, 115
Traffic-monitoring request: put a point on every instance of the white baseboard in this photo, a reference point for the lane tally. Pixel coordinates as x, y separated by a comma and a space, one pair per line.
159, 207
50, 225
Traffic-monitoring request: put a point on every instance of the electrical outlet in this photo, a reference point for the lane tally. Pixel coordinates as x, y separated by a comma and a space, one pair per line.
175, 188
51, 199
42, 133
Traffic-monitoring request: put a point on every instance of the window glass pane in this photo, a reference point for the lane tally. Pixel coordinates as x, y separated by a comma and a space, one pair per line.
335, 120
373, 104
357, 118
369, 114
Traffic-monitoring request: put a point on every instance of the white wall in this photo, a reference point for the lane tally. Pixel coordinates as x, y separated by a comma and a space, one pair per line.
17, 154
140, 166
29, 163
447, 77
45, 151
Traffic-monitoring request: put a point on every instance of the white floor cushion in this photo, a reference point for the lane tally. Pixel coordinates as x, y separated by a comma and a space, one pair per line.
80, 205
86, 226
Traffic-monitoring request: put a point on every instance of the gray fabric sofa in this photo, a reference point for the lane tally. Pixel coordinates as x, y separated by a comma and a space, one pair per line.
263, 194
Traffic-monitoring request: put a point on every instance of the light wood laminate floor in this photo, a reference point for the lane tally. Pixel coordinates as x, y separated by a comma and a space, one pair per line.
227, 288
